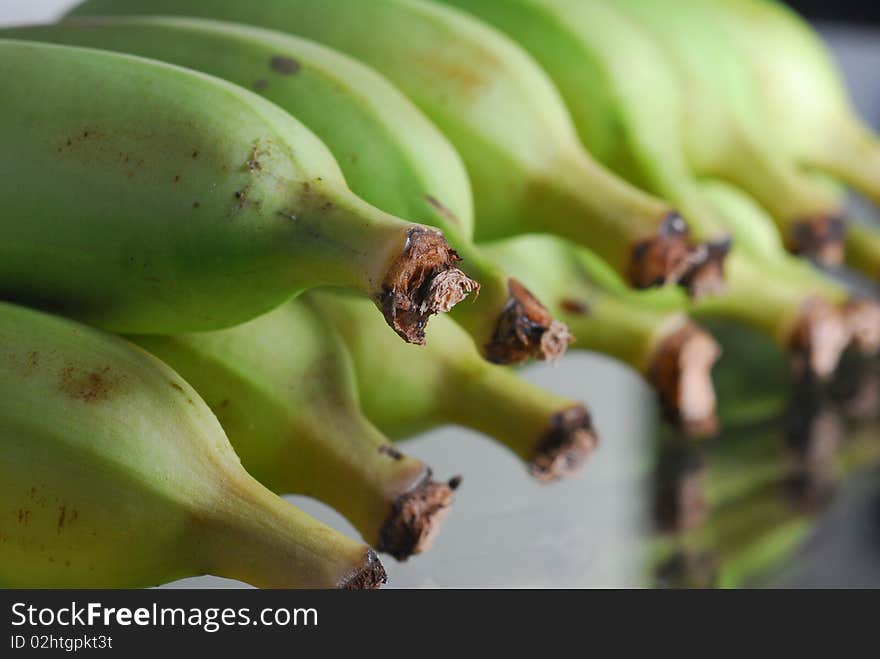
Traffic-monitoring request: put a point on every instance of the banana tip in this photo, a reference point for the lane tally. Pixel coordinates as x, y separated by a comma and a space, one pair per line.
662, 259
705, 274
526, 330
818, 340
416, 517
370, 575
862, 318
422, 282
820, 238
681, 373
565, 446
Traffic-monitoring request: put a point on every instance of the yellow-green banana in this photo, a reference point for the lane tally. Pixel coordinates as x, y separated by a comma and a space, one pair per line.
752, 229
283, 388
142, 197
390, 153
804, 99
405, 392
114, 473
646, 101
726, 135
673, 354
527, 166
863, 249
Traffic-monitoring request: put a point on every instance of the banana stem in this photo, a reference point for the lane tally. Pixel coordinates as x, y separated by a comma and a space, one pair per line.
852, 156
805, 326
553, 436
809, 218
863, 249
672, 353
508, 324
644, 239
408, 270
389, 497
254, 536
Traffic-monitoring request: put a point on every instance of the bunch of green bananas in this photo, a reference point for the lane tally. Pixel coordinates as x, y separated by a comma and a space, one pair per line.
178, 171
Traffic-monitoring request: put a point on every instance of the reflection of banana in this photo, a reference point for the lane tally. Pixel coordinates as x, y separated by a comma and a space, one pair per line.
527, 166
391, 155
105, 450
155, 199
671, 352
283, 389
405, 392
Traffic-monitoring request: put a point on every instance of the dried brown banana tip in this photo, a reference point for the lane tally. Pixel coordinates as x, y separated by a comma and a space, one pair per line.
681, 373
663, 258
705, 275
820, 238
422, 282
371, 575
862, 318
818, 340
526, 330
565, 447
416, 518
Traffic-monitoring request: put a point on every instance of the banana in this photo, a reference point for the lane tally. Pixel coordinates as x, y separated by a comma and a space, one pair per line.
752, 229
643, 82
804, 99
283, 389
528, 168
726, 135
863, 250
146, 198
390, 153
405, 392
106, 450
673, 354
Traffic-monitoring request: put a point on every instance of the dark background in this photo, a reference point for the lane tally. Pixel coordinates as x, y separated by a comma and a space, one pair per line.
853, 11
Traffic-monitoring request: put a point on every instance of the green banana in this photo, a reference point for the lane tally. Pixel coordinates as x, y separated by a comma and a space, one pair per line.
804, 100
863, 249
390, 154
803, 325
673, 354
726, 134
528, 168
283, 388
405, 392
643, 83
751, 228
146, 198
105, 450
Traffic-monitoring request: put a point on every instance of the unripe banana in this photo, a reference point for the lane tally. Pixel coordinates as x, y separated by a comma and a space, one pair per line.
114, 473
527, 166
405, 392
752, 227
726, 132
390, 153
804, 99
142, 197
863, 249
652, 111
673, 354
283, 388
